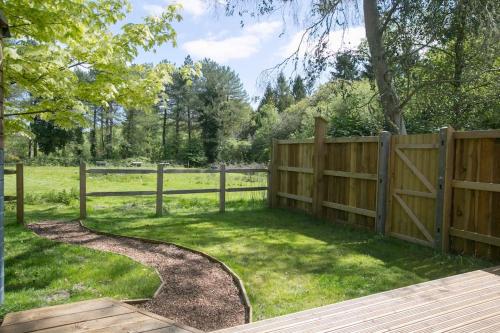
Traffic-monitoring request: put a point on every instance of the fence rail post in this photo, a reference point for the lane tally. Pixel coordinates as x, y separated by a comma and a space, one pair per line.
83, 191
222, 189
159, 190
444, 189
274, 176
19, 193
318, 165
382, 181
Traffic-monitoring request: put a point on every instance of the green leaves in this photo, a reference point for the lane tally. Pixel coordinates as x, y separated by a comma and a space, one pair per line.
52, 39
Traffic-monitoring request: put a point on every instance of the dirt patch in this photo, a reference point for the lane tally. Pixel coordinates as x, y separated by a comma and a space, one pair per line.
196, 292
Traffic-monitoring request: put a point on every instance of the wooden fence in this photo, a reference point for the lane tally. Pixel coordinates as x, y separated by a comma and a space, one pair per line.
159, 192
19, 197
440, 190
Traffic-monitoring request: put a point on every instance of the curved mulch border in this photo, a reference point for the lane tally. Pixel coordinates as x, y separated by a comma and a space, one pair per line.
236, 278
196, 289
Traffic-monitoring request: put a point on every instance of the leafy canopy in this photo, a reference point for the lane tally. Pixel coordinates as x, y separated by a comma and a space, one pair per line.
51, 39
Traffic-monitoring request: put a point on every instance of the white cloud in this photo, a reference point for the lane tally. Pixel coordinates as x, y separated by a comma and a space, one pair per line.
194, 7
153, 10
223, 49
338, 40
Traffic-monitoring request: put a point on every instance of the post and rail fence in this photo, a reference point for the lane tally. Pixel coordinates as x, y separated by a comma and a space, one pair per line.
440, 190
19, 197
160, 192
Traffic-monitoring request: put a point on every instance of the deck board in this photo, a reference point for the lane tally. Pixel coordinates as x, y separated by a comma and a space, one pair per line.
463, 303
94, 316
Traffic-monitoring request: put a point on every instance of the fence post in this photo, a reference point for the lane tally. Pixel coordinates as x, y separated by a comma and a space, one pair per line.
159, 190
274, 181
19, 193
222, 189
83, 191
444, 189
384, 143
318, 165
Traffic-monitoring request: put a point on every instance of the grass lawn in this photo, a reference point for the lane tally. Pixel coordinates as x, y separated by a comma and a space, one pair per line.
287, 260
39, 272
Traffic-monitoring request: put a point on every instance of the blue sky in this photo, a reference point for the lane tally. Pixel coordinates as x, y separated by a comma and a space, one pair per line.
206, 31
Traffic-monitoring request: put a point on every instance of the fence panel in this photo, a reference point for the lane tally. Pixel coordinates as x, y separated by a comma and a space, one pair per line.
351, 181
295, 174
413, 186
443, 189
475, 220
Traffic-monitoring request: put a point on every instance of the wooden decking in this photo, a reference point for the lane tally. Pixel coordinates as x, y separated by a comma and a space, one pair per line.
99, 315
465, 303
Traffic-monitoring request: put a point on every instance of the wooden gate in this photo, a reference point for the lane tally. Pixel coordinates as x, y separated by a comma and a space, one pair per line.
413, 171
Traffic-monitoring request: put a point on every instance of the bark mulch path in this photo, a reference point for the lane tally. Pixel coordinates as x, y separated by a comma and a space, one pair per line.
196, 292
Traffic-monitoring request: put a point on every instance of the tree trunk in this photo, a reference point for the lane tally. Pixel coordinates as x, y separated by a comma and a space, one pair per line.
93, 136
164, 135
390, 101
109, 132
177, 131
189, 125
102, 129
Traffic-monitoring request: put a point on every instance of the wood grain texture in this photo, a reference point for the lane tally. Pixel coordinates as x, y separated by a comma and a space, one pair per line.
475, 217
448, 304
99, 315
412, 191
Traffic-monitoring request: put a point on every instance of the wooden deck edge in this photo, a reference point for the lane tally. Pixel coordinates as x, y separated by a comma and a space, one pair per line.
136, 301
236, 278
158, 317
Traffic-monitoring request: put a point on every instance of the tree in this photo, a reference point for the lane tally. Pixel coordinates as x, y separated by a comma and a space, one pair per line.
284, 97
346, 66
53, 38
298, 89
50, 137
399, 33
223, 106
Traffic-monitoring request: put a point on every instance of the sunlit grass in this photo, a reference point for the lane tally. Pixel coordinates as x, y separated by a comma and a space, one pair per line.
39, 272
287, 260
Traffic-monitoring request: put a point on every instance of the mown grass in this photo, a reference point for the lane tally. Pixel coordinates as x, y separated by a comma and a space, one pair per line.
287, 260
39, 272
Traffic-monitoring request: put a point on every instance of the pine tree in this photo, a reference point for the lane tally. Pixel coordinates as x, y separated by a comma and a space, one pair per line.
298, 89
284, 97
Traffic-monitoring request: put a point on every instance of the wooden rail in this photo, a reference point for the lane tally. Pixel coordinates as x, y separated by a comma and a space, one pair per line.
19, 197
160, 192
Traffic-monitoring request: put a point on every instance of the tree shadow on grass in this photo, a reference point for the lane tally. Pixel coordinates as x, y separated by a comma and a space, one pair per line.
286, 241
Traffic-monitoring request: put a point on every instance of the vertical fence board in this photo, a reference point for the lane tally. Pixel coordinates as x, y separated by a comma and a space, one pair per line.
83, 191
222, 189
383, 180
274, 175
448, 190
318, 166
159, 190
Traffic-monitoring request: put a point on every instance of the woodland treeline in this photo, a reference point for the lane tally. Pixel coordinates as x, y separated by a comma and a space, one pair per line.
442, 60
